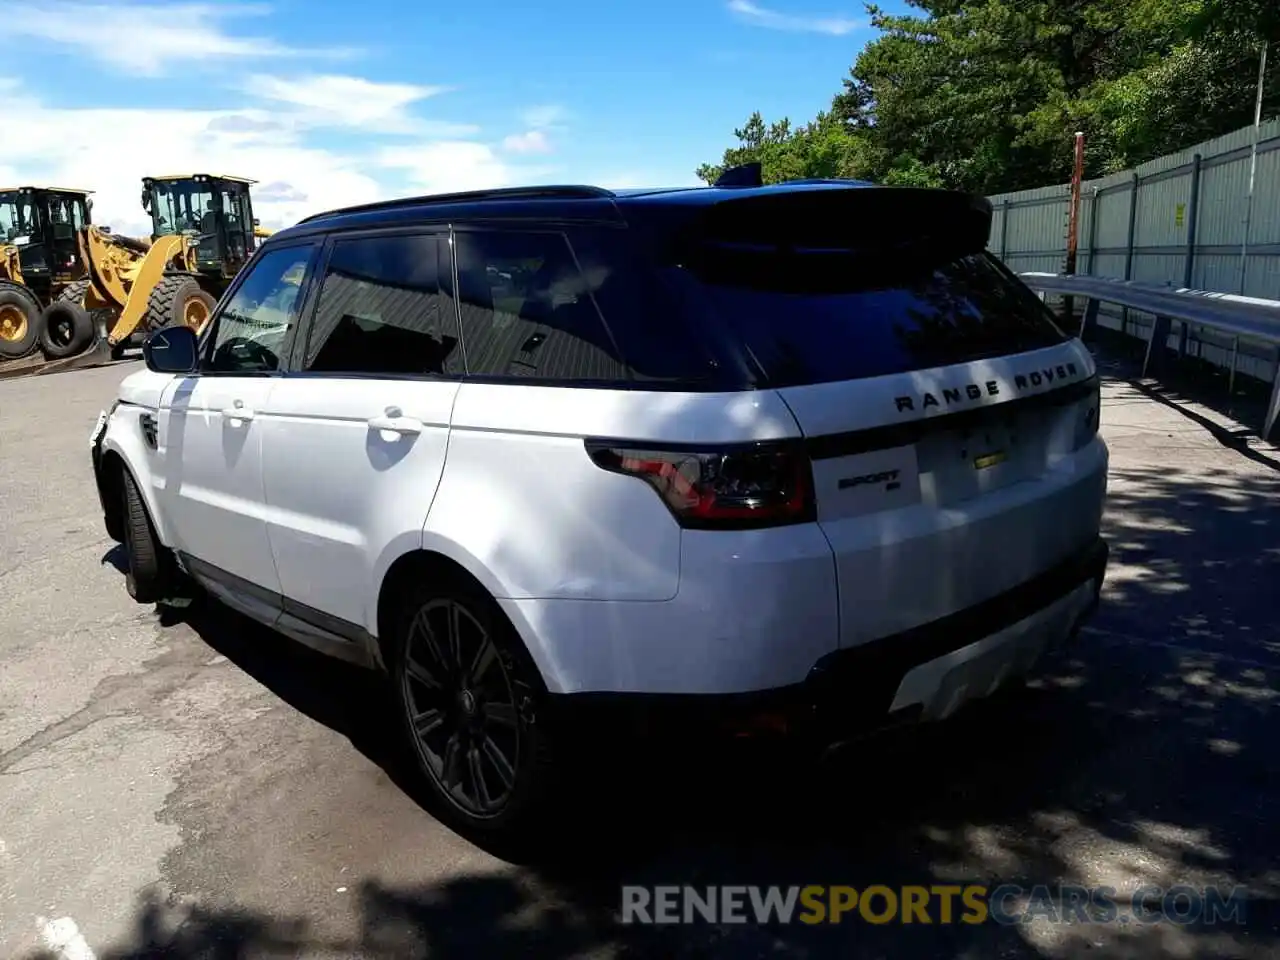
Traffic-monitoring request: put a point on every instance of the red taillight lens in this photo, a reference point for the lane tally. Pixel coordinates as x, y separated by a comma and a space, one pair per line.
756, 485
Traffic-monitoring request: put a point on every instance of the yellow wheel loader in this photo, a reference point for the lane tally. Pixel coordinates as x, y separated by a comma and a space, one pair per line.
39, 258
202, 233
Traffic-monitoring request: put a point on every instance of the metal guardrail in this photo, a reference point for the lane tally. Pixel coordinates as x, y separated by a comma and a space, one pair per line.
1239, 317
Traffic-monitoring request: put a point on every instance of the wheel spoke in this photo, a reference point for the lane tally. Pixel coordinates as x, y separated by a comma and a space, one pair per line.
420, 673
452, 753
481, 789
502, 714
483, 659
428, 721
498, 760
422, 628
455, 638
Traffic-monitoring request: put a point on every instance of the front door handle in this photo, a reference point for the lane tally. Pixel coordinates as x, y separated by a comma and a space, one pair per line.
237, 411
393, 420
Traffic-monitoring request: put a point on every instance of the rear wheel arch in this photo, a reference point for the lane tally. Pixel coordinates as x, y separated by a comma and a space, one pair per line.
418, 566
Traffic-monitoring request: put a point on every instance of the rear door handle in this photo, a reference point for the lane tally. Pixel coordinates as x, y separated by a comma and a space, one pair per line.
393, 420
238, 411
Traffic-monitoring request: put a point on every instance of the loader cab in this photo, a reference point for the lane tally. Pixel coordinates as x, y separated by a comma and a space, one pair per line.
216, 209
42, 222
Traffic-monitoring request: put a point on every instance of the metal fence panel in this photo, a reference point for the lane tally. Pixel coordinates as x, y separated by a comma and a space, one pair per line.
1150, 239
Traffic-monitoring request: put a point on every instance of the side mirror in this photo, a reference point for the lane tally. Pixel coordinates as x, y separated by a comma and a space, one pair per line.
171, 350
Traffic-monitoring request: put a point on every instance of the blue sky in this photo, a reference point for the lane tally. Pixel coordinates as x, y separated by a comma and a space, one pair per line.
328, 103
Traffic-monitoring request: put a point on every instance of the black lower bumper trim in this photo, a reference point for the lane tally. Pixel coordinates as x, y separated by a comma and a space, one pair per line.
847, 691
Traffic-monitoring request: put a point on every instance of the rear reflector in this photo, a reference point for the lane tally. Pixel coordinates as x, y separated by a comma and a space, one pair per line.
738, 487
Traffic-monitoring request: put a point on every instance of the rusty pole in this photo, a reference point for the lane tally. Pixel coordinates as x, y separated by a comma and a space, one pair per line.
1073, 222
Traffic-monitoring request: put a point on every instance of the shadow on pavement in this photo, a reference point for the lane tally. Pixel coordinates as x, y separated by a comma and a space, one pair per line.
1143, 755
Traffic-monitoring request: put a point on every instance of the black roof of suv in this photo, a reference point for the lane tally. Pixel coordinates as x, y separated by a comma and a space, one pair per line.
589, 203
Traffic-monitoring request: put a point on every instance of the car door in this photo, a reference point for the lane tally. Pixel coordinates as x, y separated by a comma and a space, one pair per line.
355, 440
213, 491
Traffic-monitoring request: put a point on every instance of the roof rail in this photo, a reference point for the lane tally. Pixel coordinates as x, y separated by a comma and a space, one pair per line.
564, 192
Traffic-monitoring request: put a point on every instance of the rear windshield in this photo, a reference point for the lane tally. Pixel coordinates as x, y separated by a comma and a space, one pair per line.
817, 316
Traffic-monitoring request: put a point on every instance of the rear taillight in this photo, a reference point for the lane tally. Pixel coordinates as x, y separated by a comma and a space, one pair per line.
734, 487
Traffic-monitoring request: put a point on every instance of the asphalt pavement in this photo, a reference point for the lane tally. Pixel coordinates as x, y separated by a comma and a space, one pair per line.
196, 787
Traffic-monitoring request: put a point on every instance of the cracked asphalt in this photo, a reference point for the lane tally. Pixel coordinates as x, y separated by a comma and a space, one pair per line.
195, 787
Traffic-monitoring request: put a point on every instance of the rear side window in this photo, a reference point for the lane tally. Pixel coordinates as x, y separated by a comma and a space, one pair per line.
381, 310
528, 312
813, 318
643, 317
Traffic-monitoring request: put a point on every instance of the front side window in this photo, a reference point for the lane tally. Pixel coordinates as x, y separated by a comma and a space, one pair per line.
381, 310
252, 330
528, 310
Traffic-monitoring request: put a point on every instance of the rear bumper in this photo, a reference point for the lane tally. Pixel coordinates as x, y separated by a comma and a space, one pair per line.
919, 674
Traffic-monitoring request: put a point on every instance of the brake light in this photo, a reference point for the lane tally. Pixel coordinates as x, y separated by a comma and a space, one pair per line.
733, 487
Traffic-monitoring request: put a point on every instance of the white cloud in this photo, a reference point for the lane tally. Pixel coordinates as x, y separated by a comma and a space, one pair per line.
109, 150
533, 141
448, 166
544, 117
145, 39
775, 20
332, 100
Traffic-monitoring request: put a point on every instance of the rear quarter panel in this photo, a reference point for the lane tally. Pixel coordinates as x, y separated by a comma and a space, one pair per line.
524, 508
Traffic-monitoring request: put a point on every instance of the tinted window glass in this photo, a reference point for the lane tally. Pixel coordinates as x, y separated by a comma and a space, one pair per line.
252, 330
642, 317
811, 318
527, 310
381, 310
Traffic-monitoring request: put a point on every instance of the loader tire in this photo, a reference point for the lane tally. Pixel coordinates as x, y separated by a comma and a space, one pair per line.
178, 301
19, 321
68, 326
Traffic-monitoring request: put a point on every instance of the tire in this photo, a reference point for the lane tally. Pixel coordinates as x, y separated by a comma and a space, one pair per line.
68, 326
149, 565
497, 708
178, 300
19, 321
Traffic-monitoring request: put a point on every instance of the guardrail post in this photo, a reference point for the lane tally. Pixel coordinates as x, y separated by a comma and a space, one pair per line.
1271, 425
1156, 345
1089, 322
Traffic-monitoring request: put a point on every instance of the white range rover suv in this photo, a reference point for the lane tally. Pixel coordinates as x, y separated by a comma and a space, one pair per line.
802, 456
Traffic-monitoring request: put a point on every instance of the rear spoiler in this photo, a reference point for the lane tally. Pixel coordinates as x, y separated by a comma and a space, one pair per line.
848, 219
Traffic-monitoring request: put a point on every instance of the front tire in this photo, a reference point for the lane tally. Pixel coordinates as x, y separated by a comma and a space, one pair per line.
468, 696
148, 570
178, 300
19, 321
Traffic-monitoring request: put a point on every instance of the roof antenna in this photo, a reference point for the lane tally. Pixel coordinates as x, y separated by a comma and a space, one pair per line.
744, 175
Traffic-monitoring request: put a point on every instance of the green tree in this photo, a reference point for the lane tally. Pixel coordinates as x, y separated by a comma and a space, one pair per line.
985, 95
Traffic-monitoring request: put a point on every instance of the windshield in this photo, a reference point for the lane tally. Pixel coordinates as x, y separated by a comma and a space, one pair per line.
17, 217
180, 207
